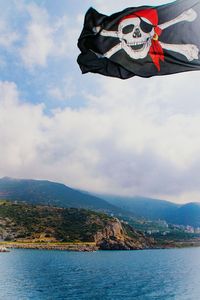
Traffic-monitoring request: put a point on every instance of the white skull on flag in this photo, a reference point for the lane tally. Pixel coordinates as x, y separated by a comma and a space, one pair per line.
139, 33
136, 33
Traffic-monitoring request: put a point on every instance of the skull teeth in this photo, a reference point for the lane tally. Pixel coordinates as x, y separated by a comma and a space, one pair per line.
136, 44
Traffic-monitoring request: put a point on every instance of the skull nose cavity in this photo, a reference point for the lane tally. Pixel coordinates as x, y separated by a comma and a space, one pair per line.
137, 33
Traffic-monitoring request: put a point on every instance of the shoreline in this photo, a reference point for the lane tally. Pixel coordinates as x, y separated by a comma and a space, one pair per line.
180, 244
89, 246
79, 247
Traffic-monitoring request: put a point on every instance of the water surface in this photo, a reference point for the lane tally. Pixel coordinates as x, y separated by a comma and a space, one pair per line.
102, 275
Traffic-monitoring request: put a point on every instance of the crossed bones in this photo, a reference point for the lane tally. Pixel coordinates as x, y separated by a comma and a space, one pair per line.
190, 51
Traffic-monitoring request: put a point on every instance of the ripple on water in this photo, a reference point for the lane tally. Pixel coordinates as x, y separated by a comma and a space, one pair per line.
107, 275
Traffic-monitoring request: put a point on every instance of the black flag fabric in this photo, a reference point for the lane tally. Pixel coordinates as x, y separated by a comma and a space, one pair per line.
144, 41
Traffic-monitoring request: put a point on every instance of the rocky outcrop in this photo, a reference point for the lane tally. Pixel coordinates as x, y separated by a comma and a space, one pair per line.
118, 236
45, 227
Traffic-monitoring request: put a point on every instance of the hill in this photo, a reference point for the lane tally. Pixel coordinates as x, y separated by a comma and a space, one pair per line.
154, 209
144, 207
21, 222
188, 214
51, 193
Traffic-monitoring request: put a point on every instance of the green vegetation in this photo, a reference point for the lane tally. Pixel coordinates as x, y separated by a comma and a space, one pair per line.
154, 209
22, 221
43, 192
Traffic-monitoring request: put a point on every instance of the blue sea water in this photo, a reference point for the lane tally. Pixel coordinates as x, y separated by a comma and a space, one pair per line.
103, 275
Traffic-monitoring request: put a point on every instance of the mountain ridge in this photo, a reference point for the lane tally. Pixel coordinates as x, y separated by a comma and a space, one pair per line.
57, 194
47, 192
154, 209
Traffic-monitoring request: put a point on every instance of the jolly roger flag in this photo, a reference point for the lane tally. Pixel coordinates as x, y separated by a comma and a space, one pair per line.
143, 41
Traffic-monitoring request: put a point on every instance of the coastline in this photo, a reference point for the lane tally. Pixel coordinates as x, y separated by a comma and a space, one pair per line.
79, 247
90, 246
180, 244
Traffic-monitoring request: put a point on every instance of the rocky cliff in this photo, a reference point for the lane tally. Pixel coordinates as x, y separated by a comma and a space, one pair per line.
24, 223
120, 236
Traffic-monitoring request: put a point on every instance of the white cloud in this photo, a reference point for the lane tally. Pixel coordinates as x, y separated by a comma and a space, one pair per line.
118, 144
158, 113
8, 37
21, 130
67, 31
138, 136
66, 90
39, 40
112, 6
47, 37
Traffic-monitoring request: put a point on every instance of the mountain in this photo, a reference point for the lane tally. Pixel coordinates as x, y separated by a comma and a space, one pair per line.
188, 214
51, 193
144, 207
30, 224
154, 209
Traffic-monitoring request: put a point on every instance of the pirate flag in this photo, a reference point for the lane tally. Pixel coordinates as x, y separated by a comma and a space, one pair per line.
143, 41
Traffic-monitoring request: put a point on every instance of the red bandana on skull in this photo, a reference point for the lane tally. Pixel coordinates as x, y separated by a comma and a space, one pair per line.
156, 50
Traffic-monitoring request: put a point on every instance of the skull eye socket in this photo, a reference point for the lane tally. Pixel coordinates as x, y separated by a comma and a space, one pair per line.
146, 27
128, 29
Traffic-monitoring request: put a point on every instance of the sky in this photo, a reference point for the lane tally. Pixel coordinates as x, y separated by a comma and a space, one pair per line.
91, 132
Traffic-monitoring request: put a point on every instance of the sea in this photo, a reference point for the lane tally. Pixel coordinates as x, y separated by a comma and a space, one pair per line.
102, 275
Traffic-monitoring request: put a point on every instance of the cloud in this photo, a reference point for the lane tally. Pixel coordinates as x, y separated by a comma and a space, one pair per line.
47, 37
21, 130
38, 43
112, 6
118, 144
8, 37
138, 136
66, 90
67, 31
